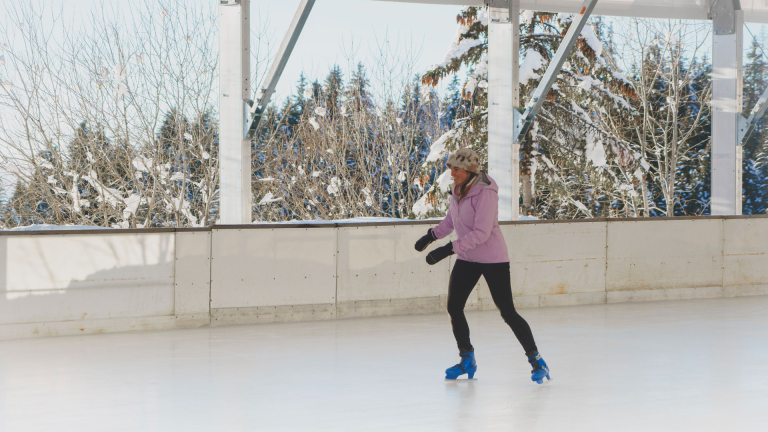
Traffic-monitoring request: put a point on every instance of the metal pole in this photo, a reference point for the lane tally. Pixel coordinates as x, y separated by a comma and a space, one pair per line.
234, 87
514, 14
503, 70
747, 126
278, 65
538, 97
727, 84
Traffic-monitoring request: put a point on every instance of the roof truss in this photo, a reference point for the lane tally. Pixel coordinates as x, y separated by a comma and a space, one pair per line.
755, 11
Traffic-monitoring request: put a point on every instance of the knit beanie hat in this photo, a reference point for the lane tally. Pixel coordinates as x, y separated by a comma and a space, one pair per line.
465, 159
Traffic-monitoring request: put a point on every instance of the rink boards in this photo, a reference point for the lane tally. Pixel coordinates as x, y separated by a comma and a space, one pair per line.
60, 283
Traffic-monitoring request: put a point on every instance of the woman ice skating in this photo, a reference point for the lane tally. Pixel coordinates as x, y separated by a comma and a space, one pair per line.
482, 251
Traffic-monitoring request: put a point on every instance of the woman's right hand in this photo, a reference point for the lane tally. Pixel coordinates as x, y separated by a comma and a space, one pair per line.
425, 241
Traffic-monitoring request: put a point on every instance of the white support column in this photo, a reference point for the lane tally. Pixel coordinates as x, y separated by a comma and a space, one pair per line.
514, 15
503, 98
235, 89
727, 87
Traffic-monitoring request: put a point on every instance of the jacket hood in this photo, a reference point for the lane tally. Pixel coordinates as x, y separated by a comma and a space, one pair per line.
482, 182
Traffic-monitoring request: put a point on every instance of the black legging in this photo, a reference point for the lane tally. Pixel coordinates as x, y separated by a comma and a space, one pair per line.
464, 277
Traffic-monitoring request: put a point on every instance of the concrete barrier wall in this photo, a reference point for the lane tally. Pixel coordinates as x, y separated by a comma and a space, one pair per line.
649, 261
379, 272
89, 282
557, 264
745, 257
61, 284
282, 274
192, 275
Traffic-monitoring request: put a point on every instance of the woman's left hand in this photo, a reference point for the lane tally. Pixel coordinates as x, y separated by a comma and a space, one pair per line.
440, 254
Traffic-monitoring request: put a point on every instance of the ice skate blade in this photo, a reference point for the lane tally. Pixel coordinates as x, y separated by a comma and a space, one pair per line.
543, 382
461, 380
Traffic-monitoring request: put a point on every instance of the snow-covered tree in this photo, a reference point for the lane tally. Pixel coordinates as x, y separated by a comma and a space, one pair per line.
672, 131
361, 161
755, 178
569, 159
95, 125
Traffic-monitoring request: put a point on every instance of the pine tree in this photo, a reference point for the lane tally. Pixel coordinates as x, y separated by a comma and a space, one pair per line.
297, 107
21, 209
454, 105
755, 176
357, 94
333, 89
694, 172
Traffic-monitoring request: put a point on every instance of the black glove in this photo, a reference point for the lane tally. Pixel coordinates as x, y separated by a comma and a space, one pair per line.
440, 254
425, 241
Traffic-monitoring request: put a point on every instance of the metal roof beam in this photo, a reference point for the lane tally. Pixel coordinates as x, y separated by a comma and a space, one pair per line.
540, 94
755, 10
747, 126
263, 96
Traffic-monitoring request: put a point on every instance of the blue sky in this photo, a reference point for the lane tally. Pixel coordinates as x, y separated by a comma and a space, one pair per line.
337, 27
332, 29
335, 24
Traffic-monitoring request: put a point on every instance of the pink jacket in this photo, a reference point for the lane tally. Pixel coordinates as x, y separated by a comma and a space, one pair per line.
476, 221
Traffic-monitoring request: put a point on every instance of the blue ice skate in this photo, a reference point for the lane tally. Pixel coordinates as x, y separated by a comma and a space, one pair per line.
540, 369
467, 366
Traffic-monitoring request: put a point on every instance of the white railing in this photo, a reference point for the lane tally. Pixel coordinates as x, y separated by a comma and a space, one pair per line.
61, 283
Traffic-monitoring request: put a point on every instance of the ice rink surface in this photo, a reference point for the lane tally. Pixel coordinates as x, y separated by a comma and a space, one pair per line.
662, 366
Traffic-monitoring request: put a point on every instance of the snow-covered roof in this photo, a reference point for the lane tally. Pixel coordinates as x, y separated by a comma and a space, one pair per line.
755, 11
